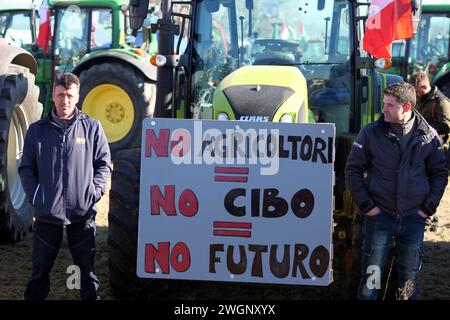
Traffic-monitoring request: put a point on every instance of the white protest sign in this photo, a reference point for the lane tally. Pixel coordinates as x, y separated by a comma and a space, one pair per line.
236, 201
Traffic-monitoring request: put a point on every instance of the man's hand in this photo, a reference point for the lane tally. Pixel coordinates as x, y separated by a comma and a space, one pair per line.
423, 214
373, 212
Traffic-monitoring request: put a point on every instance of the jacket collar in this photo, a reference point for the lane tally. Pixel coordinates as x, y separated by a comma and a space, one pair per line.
79, 116
432, 94
423, 128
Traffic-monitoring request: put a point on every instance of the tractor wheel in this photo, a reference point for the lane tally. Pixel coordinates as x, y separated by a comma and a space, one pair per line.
19, 108
444, 86
123, 230
120, 98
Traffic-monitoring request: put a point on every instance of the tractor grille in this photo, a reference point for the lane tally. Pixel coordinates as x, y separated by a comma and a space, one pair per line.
256, 100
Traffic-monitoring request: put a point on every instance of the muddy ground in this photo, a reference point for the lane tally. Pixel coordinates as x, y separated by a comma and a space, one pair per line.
15, 268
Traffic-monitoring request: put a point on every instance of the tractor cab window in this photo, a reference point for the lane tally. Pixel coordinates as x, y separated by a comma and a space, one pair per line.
101, 29
15, 28
310, 35
71, 37
430, 48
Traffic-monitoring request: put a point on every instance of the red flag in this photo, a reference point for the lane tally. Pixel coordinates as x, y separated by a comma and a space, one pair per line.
44, 35
388, 20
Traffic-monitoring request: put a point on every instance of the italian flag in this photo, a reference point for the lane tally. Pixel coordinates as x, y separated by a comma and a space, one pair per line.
44, 34
388, 20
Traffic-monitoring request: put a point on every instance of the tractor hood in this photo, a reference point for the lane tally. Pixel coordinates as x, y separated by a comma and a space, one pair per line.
261, 101
262, 93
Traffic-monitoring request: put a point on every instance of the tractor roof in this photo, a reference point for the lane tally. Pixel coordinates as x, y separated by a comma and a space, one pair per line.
89, 3
18, 5
441, 7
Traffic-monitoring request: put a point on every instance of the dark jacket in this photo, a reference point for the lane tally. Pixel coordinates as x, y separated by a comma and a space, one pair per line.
65, 173
399, 184
435, 108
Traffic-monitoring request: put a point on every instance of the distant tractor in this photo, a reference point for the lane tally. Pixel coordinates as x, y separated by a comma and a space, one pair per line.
430, 49
19, 26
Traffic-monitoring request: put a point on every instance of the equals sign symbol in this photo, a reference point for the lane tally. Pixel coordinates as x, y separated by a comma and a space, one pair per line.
231, 174
223, 228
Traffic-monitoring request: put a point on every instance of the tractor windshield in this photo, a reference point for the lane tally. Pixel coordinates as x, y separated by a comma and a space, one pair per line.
71, 37
16, 28
311, 35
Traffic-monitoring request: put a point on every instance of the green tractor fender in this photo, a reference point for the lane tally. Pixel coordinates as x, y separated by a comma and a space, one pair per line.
118, 89
147, 69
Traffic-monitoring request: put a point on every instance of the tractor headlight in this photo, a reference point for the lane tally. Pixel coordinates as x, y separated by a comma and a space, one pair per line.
158, 60
287, 118
223, 116
383, 63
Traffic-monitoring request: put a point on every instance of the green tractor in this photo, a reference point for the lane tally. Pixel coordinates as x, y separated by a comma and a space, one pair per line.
429, 50
254, 60
117, 81
92, 39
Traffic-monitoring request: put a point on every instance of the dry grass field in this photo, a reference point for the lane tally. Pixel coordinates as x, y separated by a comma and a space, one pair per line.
15, 268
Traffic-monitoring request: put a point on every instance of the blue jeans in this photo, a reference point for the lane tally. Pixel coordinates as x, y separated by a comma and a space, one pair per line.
378, 233
47, 240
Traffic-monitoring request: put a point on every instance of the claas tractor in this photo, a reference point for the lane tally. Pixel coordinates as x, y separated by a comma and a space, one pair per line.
429, 50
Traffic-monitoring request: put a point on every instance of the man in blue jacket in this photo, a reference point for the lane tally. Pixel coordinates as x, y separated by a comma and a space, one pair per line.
397, 174
65, 165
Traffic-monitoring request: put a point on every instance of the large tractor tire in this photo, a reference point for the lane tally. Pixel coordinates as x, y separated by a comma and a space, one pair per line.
120, 98
123, 230
19, 107
444, 85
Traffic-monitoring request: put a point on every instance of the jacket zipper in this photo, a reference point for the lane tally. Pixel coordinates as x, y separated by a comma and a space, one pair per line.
63, 179
35, 193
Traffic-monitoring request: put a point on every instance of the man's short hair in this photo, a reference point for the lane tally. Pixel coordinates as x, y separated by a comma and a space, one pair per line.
417, 78
67, 80
404, 92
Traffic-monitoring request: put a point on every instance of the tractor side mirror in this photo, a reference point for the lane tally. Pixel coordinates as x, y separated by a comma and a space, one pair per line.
138, 13
212, 5
320, 5
249, 4
417, 12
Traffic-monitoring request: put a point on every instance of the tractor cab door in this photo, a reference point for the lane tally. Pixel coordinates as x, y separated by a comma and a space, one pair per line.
430, 48
71, 38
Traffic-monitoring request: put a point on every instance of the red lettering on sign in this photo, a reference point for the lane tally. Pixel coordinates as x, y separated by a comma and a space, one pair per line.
181, 142
160, 145
188, 203
166, 202
161, 255
180, 250
180, 257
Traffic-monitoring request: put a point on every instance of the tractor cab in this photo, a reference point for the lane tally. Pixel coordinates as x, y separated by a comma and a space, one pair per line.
429, 50
270, 60
267, 60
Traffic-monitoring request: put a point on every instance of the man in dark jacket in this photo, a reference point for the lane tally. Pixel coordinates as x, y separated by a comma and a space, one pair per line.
434, 106
65, 165
397, 173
